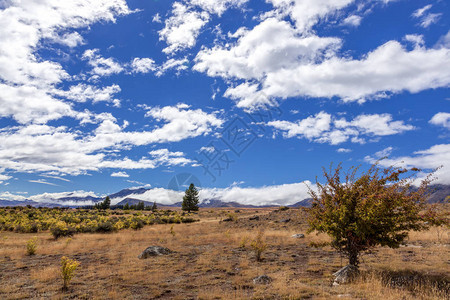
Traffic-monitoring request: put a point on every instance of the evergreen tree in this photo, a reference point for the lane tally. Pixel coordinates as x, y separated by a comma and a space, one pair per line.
106, 203
127, 206
154, 207
190, 199
140, 206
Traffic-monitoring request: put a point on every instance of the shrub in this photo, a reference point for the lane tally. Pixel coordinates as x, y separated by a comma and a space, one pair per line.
259, 245
60, 229
68, 267
283, 208
378, 207
32, 246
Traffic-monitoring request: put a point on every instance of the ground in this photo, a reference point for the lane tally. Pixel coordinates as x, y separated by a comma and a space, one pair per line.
213, 259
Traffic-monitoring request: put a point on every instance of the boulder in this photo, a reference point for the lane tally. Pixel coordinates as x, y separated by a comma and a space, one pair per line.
263, 279
154, 251
345, 275
285, 221
254, 218
298, 236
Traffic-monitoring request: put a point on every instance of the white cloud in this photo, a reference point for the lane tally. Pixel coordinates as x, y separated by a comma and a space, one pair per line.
167, 158
285, 194
276, 60
426, 18
182, 28
28, 80
383, 153
84, 92
143, 65
416, 39
43, 148
352, 20
344, 150
120, 174
307, 13
429, 159
217, 7
421, 11
102, 66
441, 119
444, 41
157, 18
322, 128
42, 181
172, 64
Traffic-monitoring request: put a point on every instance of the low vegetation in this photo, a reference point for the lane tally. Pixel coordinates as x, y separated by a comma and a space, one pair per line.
67, 222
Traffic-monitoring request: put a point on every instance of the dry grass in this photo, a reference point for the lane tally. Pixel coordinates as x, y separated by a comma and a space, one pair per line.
210, 262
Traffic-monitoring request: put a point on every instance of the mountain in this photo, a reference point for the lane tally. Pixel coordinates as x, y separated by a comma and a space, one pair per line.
438, 194
126, 192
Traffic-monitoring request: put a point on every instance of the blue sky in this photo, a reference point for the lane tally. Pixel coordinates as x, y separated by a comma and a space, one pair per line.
247, 96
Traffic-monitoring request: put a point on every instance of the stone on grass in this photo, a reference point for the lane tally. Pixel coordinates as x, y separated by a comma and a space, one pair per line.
298, 236
285, 220
345, 275
256, 218
263, 279
154, 251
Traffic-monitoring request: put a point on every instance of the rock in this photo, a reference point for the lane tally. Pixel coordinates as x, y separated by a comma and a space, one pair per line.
263, 279
285, 221
228, 220
298, 236
254, 218
154, 251
345, 275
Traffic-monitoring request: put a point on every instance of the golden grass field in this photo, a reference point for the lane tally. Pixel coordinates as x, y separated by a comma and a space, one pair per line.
213, 260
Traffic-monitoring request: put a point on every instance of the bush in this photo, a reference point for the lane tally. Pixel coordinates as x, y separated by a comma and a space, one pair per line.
259, 245
361, 211
60, 229
32, 246
68, 267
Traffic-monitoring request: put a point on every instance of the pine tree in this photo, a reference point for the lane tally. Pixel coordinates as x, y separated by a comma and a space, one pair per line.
106, 203
126, 206
154, 207
190, 199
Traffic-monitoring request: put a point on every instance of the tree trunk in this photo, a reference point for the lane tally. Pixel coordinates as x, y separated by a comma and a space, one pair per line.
353, 259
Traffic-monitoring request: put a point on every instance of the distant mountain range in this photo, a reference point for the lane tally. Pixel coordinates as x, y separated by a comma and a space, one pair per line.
438, 194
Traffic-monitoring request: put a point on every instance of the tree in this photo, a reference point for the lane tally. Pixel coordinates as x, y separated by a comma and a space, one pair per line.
377, 208
106, 203
140, 205
126, 206
190, 199
154, 207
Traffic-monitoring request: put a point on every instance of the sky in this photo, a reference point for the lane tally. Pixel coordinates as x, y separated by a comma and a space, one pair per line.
248, 99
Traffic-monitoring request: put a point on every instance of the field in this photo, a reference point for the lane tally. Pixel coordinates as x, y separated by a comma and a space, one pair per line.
213, 259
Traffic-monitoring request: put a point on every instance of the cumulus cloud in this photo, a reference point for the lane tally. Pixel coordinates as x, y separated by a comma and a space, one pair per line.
28, 81
85, 92
279, 60
182, 28
352, 20
323, 128
441, 119
143, 65
428, 159
120, 174
44, 148
101, 66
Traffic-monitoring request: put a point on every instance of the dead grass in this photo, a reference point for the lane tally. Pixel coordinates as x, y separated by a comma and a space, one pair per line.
210, 262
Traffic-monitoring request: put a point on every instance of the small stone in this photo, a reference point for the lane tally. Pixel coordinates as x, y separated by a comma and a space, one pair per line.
263, 279
298, 236
285, 221
154, 251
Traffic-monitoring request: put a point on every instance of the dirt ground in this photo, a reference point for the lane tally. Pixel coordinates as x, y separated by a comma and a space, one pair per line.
213, 259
